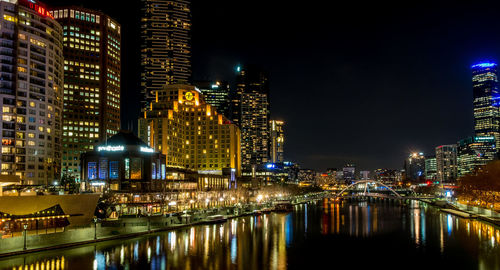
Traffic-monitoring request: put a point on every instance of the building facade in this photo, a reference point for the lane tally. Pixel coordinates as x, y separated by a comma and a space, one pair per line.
473, 152
255, 115
190, 132
92, 68
349, 173
165, 44
486, 98
430, 168
446, 163
216, 93
277, 141
31, 92
415, 167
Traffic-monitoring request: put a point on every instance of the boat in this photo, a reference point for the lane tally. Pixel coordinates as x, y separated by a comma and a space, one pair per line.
257, 212
283, 206
216, 219
266, 210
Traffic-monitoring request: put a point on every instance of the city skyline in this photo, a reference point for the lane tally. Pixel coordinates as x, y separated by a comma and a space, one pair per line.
406, 103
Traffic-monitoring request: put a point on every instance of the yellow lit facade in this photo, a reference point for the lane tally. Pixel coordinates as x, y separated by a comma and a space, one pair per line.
190, 132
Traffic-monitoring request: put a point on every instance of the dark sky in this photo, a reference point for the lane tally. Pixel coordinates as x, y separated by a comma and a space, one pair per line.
364, 83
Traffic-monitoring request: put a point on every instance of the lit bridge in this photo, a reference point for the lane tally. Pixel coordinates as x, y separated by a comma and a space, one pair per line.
377, 190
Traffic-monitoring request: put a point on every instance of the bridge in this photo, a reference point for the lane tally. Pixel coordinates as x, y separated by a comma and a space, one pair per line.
382, 192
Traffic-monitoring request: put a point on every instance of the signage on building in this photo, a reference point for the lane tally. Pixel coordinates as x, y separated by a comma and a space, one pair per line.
39, 8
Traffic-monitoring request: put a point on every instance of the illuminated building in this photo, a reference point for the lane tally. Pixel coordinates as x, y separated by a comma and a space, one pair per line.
473, 152
387, 176
364, 175
349, 173
446, 163
486, 100
216, 93
415, 167
166, 44
31, 92
430, 168
123, 163
92, 68
254, 122
277, 141
190, 132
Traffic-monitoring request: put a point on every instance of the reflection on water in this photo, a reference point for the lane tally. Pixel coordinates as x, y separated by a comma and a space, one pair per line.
276, 240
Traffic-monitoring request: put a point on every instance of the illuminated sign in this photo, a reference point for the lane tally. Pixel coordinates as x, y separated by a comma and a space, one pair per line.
189, 96
147, 149
40, 9
111, 148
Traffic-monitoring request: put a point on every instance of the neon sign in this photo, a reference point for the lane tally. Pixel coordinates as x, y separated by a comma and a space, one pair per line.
484, 65
146, 149
111, 148
40, 9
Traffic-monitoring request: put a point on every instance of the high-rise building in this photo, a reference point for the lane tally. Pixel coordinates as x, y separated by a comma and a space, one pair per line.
255, 113
364, 175
486, 97
216, 93
430, 168
446, 163
415, 167
277, 141
31, 92
473, 152
349, 173
190, 132
235, 100
92, 68
166, 44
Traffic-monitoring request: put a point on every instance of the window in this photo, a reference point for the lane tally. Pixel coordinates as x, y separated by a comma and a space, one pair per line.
113, 169
92, 170
127, 168
135, 168
103, 168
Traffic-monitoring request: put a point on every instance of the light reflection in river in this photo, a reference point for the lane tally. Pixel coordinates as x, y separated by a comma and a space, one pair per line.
268, 241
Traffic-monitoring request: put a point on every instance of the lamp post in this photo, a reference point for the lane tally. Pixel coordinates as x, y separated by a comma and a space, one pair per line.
149, 221
95, 228
25, 226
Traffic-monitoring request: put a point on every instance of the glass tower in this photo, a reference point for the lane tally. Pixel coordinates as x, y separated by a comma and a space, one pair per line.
486, 100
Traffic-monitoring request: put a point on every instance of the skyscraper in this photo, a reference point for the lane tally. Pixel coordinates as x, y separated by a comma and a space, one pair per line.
486, 100
473, 152
415, 167
446, 163
31, 92
430, 168
277, 141
216, 93
166, 44
255, 133
92, 68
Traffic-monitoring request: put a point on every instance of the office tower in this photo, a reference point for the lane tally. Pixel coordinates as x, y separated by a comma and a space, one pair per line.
216, 93
486, 100
31, 85
235, 99
474, 152
430, 168
277, 141
446, 163
92, 68
254, 121
165, 44
349, 173
190, 132
364, 175
415, 167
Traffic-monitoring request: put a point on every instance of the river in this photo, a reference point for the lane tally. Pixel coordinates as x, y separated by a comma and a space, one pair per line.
319, 235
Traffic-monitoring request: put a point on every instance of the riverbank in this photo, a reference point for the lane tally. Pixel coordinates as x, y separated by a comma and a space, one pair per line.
466, 211
129, 227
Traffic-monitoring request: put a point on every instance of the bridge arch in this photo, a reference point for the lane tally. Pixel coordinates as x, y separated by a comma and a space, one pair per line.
367, 181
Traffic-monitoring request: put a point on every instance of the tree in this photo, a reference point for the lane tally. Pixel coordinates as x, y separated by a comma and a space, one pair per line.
483, 184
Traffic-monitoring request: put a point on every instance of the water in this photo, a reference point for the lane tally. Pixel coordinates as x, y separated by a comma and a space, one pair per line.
333, 236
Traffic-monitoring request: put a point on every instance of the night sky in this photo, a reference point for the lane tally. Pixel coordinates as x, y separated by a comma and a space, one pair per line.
366, 83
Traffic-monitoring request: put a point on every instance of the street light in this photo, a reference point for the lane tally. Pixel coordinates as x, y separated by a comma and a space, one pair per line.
95, 228
25, 226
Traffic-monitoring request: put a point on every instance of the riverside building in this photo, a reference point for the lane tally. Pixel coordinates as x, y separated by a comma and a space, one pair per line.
191, 133
446, 163
31, 92
92, 68
277, 141
473, 152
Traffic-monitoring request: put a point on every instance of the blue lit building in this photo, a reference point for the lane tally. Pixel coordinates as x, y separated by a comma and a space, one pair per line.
486, 100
